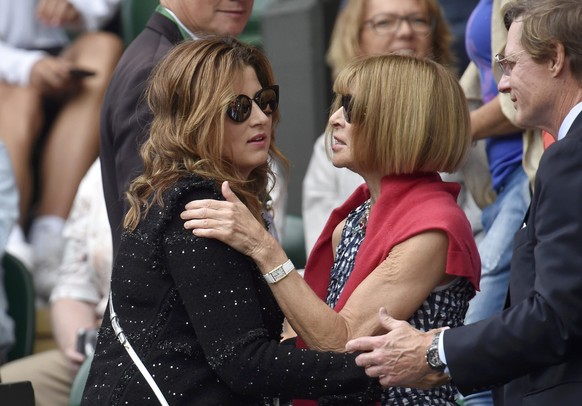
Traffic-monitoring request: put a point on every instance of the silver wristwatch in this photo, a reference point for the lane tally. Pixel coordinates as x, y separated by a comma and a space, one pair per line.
432, 355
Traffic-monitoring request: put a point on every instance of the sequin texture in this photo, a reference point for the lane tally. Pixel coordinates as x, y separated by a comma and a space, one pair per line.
204, 322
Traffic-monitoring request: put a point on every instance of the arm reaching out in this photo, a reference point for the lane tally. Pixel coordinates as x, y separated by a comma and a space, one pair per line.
404, 279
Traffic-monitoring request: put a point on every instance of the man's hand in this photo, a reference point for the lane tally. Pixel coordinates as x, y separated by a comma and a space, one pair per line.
57, 13
397, 358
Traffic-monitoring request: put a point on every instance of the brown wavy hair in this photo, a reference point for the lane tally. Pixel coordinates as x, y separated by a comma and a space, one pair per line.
188, 94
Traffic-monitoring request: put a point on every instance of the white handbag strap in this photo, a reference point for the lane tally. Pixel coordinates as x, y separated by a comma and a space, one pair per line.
123, 340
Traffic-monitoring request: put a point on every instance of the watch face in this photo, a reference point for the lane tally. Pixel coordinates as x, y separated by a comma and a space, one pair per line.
278, 273
433, 359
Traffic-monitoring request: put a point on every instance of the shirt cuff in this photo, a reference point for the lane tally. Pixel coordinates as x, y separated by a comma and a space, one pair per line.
16, 64
96, 13
441, 348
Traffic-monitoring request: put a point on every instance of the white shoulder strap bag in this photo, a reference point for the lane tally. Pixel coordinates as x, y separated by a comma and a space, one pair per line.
123, 340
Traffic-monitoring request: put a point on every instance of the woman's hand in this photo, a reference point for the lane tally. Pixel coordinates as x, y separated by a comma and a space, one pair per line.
57, 13
51, 75
231, 222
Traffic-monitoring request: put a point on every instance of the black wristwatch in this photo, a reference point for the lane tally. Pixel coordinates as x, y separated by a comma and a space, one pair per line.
432, 355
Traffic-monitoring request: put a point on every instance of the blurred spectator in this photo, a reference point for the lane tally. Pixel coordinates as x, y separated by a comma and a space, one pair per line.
78, 300
457, 13
8, 216
46, 92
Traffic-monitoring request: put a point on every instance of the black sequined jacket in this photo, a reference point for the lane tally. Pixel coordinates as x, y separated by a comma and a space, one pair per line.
204, 322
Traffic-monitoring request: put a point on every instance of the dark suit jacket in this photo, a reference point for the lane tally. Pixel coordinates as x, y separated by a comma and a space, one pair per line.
534, 347
125, 116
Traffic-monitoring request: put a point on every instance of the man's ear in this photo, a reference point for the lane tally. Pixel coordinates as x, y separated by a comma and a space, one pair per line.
557, 62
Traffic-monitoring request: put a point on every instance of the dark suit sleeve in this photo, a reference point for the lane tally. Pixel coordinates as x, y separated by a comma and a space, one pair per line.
132, 117
543, 326
125, 122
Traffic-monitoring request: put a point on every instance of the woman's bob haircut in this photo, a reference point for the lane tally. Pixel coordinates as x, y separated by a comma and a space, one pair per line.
408, 115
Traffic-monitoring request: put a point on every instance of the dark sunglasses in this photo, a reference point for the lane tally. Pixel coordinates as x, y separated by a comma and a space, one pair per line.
267, 99
347, 105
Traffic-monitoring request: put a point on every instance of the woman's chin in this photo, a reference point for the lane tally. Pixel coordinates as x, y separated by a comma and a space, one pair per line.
340, 163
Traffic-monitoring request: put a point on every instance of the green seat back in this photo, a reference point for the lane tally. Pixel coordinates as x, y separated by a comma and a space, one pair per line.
252, 33
134, 16
79, 382
21, 307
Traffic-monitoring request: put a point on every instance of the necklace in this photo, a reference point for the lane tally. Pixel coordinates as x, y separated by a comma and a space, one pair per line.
363, 222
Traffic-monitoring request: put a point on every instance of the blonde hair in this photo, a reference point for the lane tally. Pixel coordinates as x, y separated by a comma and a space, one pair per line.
409, 115
345, 37
188, 94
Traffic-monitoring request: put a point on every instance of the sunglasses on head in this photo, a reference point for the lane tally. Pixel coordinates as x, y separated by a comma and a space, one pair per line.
347, 105
267, 99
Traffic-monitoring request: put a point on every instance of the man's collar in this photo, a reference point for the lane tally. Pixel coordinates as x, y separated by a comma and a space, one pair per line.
186, 33
569, 120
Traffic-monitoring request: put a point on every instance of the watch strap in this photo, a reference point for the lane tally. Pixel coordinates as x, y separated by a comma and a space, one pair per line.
432, 354
280, 272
